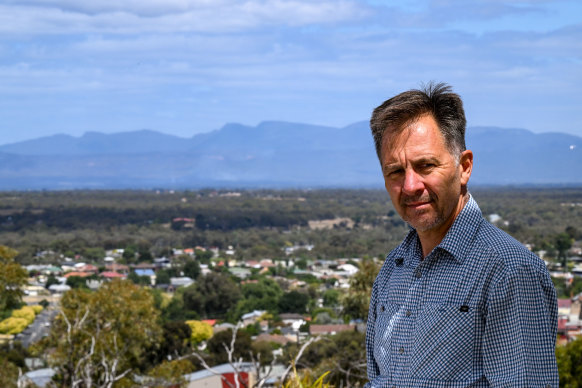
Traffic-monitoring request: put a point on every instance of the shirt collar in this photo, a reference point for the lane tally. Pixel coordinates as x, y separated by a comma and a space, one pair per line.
463, 230
455, 241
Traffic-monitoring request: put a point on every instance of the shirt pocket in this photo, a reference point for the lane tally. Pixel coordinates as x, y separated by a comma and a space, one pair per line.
385, 315
443, 345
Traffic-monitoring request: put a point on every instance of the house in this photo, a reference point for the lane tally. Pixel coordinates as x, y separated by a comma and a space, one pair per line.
79, 274
241, 273
114, 267
59, 288
251, 318
276, 338
293, 320
330, 329
181, 282
222, 376
89, 268
112, 275
223, 326
37, 378
564, 306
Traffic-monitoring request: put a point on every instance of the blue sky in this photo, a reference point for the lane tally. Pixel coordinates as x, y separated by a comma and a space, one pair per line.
188, 66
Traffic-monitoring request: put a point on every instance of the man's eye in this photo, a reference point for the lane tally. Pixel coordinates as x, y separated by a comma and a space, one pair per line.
393, 173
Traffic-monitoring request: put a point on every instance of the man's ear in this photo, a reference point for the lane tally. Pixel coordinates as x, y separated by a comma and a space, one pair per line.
466, 166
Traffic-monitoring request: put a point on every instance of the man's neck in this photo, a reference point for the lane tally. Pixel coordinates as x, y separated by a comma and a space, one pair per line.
429, 239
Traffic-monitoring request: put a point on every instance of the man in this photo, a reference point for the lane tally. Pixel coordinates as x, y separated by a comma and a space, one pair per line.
458, 303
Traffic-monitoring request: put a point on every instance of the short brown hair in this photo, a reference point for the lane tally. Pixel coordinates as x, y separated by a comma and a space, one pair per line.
437, 100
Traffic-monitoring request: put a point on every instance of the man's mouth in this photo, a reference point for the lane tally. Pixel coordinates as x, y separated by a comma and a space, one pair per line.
417, 203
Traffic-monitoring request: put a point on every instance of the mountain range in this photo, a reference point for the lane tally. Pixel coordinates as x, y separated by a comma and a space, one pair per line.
272, 154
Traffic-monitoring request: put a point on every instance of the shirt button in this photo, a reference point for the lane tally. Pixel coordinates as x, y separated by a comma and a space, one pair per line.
418, 274
401, 350
382, 308
408, 313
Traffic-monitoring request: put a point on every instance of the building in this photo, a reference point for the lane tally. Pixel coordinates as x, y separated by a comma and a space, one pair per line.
218, 376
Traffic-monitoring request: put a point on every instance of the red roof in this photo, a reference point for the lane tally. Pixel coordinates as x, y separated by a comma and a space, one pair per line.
109, 274
80, 274
564, 303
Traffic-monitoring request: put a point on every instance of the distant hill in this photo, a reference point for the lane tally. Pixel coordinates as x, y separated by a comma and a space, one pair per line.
272, 154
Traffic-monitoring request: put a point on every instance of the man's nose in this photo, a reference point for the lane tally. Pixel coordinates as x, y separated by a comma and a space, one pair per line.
412, 182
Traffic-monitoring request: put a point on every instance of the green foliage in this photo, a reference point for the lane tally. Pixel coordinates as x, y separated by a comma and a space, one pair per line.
569, 358
12, 279
51, 279
192, 269
201, 331
77, 282
169, 373
27, 312
175, 342
162, 277
13, 325
95, 331
356, 301
331, 297
293, 302
9, 375
212, 296
263, 295
216, 346
306, 380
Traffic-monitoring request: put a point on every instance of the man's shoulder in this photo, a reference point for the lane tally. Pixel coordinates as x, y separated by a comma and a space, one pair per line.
505, 249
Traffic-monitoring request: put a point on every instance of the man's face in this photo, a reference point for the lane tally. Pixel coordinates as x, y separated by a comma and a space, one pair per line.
423, 179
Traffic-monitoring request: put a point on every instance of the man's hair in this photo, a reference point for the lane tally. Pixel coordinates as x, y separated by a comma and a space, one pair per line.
437, 100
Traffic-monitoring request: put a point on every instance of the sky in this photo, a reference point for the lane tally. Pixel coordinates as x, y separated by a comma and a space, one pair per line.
184, 67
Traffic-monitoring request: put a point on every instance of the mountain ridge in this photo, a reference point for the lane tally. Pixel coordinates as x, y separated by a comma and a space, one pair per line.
271, 154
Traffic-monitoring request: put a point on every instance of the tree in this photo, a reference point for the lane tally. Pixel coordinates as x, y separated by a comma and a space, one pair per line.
100, 337
569, 358
218, 346
12, 279
175, 342
162, 277
563, 242
357, 300
201, 331
192, 269
212, 296
51, 280
76, 282
263, 295
293, 302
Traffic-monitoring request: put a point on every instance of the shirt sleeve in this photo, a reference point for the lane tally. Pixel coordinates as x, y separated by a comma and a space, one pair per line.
372, 367
520, 329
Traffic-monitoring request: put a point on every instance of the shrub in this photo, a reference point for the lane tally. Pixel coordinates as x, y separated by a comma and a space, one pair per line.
37, 308
26, 313
13, 325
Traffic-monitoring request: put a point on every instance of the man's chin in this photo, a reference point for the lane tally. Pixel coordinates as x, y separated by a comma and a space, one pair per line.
423, 224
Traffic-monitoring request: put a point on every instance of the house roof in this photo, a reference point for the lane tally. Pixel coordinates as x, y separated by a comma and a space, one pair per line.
280, 339
564, 303
144, 272
294, 316
328, 329
76, 273
219, 369
110, 274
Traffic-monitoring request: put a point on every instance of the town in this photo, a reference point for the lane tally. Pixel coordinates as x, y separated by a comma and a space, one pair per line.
271, 296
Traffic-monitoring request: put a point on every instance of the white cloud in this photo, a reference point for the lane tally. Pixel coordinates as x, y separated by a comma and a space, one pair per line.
62, 17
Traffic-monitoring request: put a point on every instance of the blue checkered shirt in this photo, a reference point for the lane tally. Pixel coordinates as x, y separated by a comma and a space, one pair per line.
479, 311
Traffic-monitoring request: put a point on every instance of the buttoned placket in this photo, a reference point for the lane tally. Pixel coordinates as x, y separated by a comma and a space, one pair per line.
402, 344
